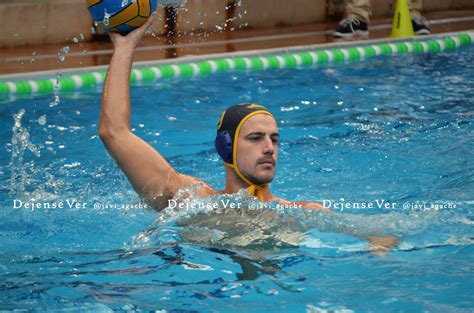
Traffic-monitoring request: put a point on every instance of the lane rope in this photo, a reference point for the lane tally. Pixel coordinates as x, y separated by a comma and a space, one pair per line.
288, 60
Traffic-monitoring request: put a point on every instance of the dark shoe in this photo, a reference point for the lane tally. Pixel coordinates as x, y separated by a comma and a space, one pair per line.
350, 27
421, 26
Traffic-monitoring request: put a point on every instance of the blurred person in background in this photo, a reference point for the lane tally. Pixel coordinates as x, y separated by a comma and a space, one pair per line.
358, 18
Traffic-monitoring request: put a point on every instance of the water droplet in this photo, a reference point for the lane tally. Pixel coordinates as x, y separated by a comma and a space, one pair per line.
62, 53
71, 165
42, 120
57, 87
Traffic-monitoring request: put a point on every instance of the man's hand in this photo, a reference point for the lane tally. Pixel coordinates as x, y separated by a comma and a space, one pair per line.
132, 39
382, 245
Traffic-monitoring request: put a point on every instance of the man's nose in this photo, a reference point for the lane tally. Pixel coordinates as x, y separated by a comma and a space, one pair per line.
268, 147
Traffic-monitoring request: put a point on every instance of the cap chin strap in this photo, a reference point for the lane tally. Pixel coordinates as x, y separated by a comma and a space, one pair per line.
256, 191
252, 189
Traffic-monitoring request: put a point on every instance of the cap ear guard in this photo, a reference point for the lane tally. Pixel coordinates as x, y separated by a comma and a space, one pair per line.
223, 145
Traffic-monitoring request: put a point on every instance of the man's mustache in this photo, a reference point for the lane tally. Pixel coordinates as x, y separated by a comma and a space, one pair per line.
267, 160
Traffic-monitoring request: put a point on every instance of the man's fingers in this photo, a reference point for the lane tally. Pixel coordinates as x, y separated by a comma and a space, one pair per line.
387, 242
133, 38
150, 20
142, 29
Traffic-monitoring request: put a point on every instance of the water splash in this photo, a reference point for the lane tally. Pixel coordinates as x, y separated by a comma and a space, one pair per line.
20, 143
221, 220
31, 179
214, 221
227, 25
57, 88
78, 39
63, 52
33, 57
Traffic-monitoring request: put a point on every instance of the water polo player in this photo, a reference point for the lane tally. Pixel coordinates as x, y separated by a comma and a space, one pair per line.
247, 141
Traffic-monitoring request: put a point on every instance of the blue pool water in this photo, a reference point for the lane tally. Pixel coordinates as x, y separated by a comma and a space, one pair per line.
394, 129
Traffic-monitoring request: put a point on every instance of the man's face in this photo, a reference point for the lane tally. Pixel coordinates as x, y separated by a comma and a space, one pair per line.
257, 148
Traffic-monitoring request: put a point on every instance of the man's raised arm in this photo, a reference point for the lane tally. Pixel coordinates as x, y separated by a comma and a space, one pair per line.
149, 173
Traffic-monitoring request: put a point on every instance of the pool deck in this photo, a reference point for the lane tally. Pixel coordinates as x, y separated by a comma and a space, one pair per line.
82, 54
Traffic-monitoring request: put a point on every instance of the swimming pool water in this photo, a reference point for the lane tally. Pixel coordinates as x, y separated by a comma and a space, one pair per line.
395, 129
